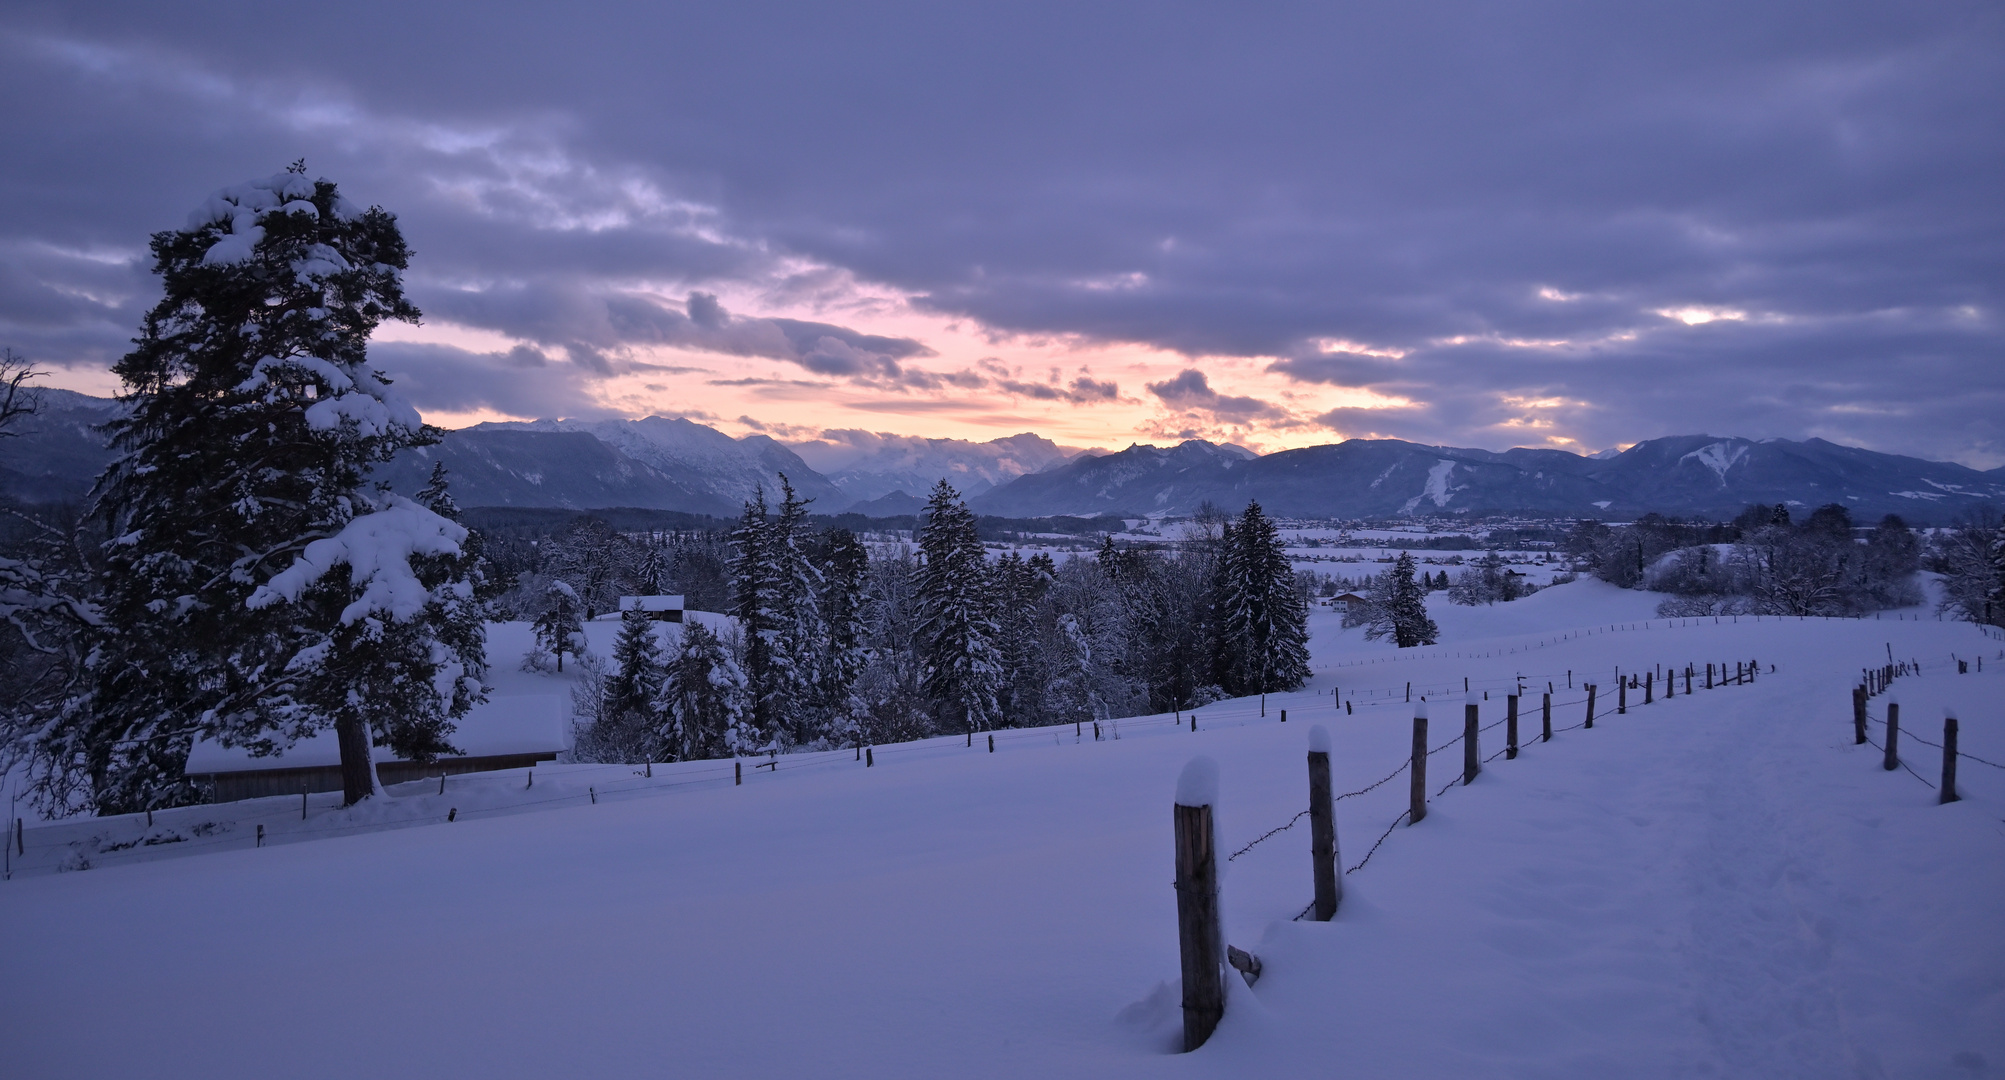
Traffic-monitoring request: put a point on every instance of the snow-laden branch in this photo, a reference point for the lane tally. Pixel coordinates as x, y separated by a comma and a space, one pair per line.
377, 548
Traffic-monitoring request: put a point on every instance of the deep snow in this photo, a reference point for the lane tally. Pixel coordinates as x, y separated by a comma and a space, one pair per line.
1719, 884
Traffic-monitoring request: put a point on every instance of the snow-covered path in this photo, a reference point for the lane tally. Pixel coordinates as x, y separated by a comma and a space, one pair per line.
1715, 885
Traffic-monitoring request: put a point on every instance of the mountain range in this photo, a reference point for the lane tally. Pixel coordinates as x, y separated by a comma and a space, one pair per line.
1685, 475
677, 464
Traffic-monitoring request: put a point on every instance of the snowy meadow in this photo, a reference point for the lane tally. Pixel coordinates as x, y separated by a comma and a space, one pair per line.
1720, 883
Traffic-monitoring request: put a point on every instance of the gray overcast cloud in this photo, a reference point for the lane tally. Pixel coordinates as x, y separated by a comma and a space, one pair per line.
1575, 224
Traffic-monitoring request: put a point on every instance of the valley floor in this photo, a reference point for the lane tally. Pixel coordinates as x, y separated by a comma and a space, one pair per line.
1719, 884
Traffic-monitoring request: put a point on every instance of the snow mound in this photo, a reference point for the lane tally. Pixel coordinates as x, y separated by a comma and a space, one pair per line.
1197, 785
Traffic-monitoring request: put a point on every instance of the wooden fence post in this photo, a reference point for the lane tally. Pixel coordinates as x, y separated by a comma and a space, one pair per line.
1417, 800
1859, 715
1511, 729
1323, 827
1709, 676
1472, 761
1590, 706
1948, 756
737, 773
1649, 687
1621, 696
1198, 936
1545, 718
869, 758
1893, 760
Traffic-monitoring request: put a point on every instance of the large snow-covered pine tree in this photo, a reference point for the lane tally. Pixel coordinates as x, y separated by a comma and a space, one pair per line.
957, 635
1264, 620
259, 589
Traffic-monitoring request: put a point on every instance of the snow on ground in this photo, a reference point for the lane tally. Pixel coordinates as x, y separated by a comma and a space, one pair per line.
1713, 885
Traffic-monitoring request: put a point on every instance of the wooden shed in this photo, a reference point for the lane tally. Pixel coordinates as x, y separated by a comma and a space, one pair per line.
509, 732
661, 608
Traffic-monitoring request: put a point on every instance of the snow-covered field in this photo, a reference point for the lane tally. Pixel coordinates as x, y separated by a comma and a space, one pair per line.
1719, 884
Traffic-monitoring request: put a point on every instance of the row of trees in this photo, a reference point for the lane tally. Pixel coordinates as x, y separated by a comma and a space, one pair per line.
1768, 564
834, 644
1971, 560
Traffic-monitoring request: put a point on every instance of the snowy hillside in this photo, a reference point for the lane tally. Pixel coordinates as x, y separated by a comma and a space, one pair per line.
1718, 884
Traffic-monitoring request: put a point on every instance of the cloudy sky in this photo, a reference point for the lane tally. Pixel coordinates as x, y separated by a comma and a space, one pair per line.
1528, 224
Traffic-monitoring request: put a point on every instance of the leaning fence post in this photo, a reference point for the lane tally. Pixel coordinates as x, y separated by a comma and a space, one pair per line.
1323, 827
1511, 730
1417, 801
1198, 936
1948, 756
1472, 761
1893, 760
1859, 715
1590, 706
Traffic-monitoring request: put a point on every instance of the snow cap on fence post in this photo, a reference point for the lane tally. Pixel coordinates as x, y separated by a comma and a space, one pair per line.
1420, 710
1319, 739
1197, 785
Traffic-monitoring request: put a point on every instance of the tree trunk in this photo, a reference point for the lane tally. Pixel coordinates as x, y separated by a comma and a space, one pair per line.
358, 768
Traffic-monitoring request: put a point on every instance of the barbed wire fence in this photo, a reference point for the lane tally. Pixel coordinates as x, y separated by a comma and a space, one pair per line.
124, 839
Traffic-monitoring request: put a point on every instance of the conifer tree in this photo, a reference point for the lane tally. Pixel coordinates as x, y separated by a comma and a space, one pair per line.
844, 565
800, 642
1399, 608
638, 670
1264, 622
704, 699
559, 629
253, 416
752, 591
956, 638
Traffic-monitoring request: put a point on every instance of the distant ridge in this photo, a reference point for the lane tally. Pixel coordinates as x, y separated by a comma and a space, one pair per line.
668, 463
1686, 475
